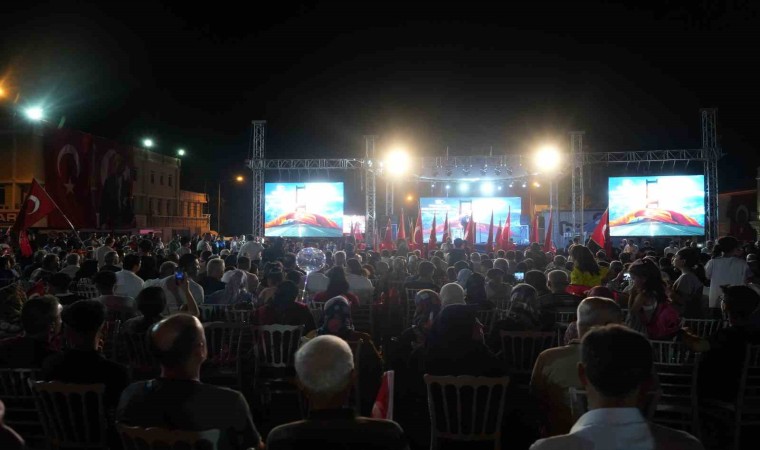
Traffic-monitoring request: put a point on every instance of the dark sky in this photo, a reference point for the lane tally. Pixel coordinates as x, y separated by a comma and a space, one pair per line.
465, 75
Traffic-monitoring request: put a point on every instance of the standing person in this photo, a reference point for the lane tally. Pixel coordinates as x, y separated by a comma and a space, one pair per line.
686, 292
251, 249
586, 271
128, 283
101, 251
727, 267
616, 370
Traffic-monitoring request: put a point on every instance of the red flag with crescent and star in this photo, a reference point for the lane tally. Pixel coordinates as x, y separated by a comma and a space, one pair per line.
36, 207
68, 165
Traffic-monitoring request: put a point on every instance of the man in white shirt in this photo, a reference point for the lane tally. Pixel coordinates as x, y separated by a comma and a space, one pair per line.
190, 268
127, 281
616, 369
631, 248
731, 268
203, 244
72, 265
251, 249
101, 252
672, 249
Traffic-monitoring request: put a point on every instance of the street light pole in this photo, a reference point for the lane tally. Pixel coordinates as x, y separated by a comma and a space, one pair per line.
219, 208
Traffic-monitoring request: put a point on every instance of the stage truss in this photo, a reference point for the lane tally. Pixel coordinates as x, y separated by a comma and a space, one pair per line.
505, 167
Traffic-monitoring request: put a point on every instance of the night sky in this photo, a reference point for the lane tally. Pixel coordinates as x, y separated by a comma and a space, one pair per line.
465, 75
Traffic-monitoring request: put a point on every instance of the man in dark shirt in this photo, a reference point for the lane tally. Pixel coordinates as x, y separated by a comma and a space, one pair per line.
41, 319
325, 368
178, 399
457, 253
424, 279
83, 363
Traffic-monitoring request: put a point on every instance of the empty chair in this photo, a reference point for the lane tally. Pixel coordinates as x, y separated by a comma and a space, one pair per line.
676, 367
520, 349
21, 409
212, 313
136, 438
275, 347
72, 415
225, 344
702, 327
466, 408
141, 363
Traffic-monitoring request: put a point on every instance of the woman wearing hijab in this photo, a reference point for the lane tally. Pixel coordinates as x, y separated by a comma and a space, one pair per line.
462, 277
427, 307
476, 292
456, 346
336, 321
234, 292
282, 309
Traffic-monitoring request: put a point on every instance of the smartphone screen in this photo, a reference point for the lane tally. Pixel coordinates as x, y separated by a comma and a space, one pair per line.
519, 276
179, 275
627, 277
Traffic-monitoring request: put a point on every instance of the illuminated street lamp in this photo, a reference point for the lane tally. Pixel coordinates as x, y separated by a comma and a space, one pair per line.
239, 178
181, 152
34, 113
148, 143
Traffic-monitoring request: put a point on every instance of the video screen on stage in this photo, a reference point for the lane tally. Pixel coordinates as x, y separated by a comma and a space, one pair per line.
657, 205
460, 209
303, 209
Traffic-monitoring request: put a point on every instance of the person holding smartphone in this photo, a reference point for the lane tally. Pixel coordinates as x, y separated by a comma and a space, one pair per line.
183, 281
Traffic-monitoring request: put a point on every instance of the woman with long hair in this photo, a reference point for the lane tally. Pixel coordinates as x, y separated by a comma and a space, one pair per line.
586, 271
686, 293
337, 285
650, 311
283, 309
726, 267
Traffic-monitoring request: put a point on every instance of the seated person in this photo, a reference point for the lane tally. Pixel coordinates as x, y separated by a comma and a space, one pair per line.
235, 292
423, 279
357, 281
83, 362
58, 285
325, 368
337, 321
497, 291
451, 294
556, 369
41, 320
9, 439
273, 278
537, 279
476, 292
557, 298
118, 307
337, 286
212, 282
283, 309
427, 307
178, 399
151, 302
616, 370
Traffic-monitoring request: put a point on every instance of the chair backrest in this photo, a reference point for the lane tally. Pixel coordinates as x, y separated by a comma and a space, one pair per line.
138, 352
111, 330
579, 403
238, 315
356, 349
212, 313
410, 294
564, 317
15, 384
677, 367
276, 345
224, 342
363, 318
365, 296
317, 309
520, 349
702, 327
487, 317
749, 384
136, 438
466, 408
72, 414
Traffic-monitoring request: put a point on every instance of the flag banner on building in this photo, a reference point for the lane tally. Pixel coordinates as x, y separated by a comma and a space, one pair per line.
90, 179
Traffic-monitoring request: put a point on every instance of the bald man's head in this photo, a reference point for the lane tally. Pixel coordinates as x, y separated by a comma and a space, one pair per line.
596, 312
178, 340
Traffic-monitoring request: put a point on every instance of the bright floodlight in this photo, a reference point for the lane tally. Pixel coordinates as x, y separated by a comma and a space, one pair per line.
448, 186
181, 152
464, 188
34, 113
239, 178
547, 158
486, 188
397, 162
148, 143
2, 92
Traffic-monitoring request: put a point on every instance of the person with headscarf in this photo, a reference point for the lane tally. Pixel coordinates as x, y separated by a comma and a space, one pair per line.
282, 309
462, 276
451, 294
456, 346
476, 292
524, 313
427, 307
234, 292
336, 321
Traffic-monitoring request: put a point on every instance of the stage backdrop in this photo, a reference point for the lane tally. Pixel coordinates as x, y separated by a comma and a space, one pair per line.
303, 209
657, 206
90, 179
461, 208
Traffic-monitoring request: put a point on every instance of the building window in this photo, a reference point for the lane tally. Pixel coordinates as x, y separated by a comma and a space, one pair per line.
153, 178
161, 179
170, 181
160, 207
2, 196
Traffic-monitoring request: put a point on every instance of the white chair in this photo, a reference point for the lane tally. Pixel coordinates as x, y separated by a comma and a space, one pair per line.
21, 409
520, 349
136, 438
702, 327
465, 414
676, 368
487, 318
212, 313
225, 344
72, 415
275, 347
317, 310
409, 307
745, 410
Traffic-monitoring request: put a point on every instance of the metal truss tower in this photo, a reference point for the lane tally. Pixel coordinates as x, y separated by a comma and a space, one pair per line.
370, 189
256, 163
710, 155
577, 160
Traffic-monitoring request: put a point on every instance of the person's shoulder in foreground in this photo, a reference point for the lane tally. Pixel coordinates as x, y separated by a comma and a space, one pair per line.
351, 432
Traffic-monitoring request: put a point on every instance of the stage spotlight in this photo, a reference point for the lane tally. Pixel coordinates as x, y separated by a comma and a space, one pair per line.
398, 160
448, 171
499, 188
464, 188
497, 171
547, 158
536, 184
511, 185
448, 186
486, 188
484, 170
524, 184
432, 185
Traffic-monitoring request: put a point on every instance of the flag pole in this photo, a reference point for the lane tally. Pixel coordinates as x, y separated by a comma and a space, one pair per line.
76, 233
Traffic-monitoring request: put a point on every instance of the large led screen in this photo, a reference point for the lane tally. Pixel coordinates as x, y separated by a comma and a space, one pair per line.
303, 209
460, 209
657, 206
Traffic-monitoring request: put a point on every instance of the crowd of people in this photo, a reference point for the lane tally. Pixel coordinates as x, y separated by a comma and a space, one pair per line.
56, 308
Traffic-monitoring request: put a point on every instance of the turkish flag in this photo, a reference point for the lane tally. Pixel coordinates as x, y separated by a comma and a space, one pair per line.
507, 233
548, 245
489, 242
534, 229
601, 232
446, 233
497, 239
357, 233
68, 172
387, 243
36, 207
469, 235
418, 230
401, 227
432, 244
